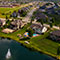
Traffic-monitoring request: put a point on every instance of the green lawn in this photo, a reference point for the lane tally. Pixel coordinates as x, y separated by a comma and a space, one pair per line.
44, 44
3, 10
7, 10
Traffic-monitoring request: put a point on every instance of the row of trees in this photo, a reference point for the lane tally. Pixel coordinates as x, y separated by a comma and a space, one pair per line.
19, 13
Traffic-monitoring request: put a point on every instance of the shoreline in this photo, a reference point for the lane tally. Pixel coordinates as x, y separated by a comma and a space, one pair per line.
33, 48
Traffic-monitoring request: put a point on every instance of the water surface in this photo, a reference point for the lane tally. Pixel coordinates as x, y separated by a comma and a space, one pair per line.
19, 52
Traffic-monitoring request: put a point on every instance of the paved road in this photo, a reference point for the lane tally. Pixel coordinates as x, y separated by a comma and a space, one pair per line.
29, 15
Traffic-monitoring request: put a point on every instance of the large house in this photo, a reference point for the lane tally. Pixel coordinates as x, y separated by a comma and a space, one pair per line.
16, 24
38, 28
50, 10
2, 22
55, 35
40, 15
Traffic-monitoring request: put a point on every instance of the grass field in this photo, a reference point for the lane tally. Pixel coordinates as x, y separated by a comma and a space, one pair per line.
3, 10
45, 44
7, 10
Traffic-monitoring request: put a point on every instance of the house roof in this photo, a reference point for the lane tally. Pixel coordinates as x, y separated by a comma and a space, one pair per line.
25, 8
40, 15
16, 22
57, 32
43, 7
39, 26
7, 30
2, 21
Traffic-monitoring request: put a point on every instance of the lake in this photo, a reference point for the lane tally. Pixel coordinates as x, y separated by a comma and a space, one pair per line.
19, 52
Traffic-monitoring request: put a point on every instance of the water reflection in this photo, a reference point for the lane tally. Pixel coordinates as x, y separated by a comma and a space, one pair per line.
19, 52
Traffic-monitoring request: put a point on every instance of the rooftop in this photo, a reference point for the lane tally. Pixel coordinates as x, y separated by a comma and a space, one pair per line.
57, 32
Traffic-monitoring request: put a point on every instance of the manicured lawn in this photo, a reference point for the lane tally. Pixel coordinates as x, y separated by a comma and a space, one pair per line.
7, 10
44, 44
3, 10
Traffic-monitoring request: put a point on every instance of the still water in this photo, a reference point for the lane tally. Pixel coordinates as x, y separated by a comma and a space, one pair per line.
19, 52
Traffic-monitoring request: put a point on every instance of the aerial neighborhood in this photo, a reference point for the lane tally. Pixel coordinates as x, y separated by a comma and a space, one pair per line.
34, 24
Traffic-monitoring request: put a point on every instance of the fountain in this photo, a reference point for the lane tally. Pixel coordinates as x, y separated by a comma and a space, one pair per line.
8, 55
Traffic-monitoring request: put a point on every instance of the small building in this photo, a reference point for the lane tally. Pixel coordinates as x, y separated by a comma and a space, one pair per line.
50, 8
7, 30
17, 24
25, 8
38, 28
6, 6
56, 5
42, 10
2, 22
42, 7
55, 35
26, 42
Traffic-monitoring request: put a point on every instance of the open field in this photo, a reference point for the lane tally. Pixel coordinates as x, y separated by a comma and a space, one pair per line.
8, 11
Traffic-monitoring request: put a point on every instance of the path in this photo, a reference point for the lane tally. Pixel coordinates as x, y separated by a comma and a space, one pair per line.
29, 15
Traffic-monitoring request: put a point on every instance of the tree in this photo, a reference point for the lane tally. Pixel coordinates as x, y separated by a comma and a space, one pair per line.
58, 51
30, 31
32, 18
41, 21
14, 14
6, 17
51, 25
23, 13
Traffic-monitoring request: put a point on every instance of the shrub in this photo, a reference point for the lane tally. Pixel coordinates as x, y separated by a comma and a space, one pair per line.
30, 31
24, 14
